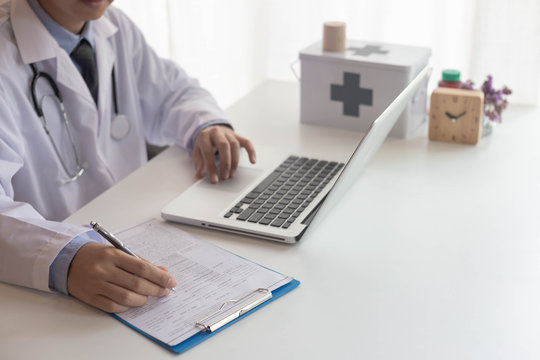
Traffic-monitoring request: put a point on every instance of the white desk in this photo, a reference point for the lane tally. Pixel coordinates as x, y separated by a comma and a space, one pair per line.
434, 254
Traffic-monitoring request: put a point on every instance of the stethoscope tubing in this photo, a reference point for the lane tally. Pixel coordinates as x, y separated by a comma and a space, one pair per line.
39, 111
56, 90
33, 84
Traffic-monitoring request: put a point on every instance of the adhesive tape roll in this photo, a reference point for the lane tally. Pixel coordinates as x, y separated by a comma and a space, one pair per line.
334, 36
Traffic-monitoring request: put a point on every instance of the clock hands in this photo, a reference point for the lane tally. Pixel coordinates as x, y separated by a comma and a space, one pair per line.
450, 116
453, 117
460, 115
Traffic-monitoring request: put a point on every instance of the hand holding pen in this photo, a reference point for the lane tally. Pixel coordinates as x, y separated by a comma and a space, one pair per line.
113, 280
110, 237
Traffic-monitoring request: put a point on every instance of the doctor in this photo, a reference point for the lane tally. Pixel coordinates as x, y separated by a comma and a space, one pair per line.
80, 93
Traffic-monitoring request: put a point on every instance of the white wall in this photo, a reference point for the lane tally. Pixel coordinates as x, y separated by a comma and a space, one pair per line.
232, 45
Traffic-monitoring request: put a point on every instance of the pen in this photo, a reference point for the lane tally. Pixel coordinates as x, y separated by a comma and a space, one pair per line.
114, 240
111, 238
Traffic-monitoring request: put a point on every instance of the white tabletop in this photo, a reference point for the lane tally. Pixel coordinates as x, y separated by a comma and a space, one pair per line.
433, 254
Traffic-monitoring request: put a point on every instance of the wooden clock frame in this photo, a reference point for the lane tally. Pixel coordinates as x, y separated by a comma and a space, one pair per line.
456, 115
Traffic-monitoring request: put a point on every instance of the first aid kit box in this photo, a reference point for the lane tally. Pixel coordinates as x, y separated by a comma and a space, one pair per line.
349, 89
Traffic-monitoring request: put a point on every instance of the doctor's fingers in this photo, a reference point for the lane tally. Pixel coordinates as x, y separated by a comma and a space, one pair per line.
246, 144
198, 162
235, 153
205, 144
225, 144
134, 286
106, 304
120, 298
229, 152
228, 144
141, 276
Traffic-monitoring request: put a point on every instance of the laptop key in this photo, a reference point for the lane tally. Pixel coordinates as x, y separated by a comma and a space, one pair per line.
229, 214
247, 200
288, 210
294, 206
256, 217
252, 195
266, 182
287, 224
254, 206
245, 214
278, 222
266, 221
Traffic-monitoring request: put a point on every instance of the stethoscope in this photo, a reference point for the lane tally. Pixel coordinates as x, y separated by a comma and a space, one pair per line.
119, 125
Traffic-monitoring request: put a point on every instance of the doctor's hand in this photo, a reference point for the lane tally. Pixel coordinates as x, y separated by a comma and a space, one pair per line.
227, 144
111, 280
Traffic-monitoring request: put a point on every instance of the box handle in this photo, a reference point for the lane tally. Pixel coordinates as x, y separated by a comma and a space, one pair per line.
293, 67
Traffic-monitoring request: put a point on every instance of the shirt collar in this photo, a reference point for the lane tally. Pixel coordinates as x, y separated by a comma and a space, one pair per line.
65, 38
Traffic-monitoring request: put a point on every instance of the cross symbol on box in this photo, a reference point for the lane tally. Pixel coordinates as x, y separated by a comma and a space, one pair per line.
351, 94
368, 50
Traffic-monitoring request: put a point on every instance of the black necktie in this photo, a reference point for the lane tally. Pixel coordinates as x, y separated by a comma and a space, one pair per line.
83, 55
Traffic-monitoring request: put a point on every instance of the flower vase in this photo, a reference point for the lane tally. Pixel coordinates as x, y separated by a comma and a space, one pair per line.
487, 126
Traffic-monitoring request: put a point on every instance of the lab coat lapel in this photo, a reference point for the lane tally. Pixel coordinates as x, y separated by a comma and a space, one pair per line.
68, 75
34, 41
36, 44
103, 29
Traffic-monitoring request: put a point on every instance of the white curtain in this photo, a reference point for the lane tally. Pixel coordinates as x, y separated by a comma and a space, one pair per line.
232, 45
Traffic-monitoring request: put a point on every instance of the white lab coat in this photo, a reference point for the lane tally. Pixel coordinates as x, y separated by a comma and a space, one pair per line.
162, 104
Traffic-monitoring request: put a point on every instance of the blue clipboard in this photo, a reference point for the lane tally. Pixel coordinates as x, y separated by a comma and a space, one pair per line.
203, 335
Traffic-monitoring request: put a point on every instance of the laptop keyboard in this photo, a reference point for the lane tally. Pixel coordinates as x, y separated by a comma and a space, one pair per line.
280, 198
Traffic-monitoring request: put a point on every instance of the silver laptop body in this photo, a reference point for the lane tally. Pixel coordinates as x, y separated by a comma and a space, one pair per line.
210, 205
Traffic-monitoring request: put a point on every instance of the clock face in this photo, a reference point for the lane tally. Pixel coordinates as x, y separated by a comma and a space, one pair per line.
456, 115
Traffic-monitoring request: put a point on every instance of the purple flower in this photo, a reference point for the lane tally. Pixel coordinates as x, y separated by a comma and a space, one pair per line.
467, 85
494, 100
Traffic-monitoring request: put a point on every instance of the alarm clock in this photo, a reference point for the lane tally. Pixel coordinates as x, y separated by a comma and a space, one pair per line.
455, 115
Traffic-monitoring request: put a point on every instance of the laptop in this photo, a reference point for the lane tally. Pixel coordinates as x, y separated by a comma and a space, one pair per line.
285, 200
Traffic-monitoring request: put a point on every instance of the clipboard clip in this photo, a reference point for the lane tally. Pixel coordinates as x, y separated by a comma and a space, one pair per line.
263, 295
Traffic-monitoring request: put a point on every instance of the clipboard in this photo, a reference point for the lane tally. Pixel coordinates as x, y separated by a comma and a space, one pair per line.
215, 322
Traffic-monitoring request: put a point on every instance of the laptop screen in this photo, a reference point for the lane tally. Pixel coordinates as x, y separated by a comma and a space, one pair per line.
367, 147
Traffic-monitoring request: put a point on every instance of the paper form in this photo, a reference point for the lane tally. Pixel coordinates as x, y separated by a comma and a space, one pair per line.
207, 277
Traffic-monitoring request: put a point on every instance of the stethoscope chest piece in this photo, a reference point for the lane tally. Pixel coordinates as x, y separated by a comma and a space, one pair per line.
119, 127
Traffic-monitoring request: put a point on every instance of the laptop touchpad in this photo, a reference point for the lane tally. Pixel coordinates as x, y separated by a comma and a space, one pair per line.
242, 179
